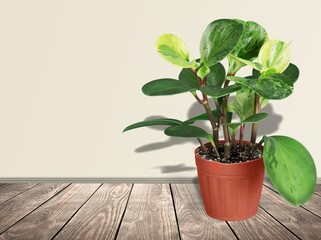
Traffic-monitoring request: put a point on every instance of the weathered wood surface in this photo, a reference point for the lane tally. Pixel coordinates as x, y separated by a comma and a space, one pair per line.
261, 226
47, 220
10, 190
318, 189
192, 219
149, 214
16, 208
143, 211
100, 217
301, 222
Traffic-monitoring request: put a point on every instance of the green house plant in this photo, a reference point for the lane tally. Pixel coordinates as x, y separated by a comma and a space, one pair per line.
231, 169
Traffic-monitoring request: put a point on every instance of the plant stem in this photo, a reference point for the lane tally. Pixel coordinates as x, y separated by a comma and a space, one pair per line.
202, 145
242, 128
260, 142
227, 144
214, 147
254, 125
212, 119
233, 140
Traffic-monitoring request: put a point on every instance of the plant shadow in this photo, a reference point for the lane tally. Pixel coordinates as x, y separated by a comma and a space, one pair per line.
266, 127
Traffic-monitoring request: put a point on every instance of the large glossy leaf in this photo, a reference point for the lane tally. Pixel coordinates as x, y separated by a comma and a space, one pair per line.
219, 39
217, 75
290, 168
292, 72
189, 77
276, 55
242, 105
249, 45
165, 86
276, 86
217, 92
186, 131
174, 50
152, 122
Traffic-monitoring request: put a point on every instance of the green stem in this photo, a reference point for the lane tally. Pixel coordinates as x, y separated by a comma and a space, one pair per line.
210, 138
242, 127
254, 125
202, 145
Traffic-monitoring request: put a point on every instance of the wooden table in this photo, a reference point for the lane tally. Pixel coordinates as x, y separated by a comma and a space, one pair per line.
143, 211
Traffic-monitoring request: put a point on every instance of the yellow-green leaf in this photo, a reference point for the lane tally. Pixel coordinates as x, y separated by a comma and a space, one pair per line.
174, 50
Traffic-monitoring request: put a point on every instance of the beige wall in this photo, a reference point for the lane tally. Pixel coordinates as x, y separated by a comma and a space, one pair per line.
71, 73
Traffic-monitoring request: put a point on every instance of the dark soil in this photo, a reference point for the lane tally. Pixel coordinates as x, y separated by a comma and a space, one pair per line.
236, 155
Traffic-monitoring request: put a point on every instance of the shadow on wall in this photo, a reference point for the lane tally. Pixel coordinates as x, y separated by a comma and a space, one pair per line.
268, 126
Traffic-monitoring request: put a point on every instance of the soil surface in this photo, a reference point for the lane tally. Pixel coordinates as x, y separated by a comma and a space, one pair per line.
236, 155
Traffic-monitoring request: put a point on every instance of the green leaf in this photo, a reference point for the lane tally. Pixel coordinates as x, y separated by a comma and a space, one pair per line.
202, 72
248, 47
292, 72
218, 40
255, 118
186, 131
242, 105
232, 127
204, 116
159, 121
252, 39
174, 50
188, 77
241, 62
216, 76
276, 86
217, 92
290, 168
165, 86
275, 54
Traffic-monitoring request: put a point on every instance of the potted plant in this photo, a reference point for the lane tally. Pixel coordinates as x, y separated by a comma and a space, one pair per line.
231, 169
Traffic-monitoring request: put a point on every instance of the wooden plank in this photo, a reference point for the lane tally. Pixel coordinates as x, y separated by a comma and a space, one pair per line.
16, 208
11, 190
48, 219
100, 217
314, 205
192, 218
301, 222
317, 190
149, 214
256, 228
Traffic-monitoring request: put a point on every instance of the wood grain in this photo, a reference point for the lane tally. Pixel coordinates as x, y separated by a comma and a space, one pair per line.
100, 217
16, 208
261, 226
192, 218
149, 214
301, 222
318, 189
314, 205
48, 219
11, 190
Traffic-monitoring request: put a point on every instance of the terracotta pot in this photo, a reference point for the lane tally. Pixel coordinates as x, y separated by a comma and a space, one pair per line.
230, 191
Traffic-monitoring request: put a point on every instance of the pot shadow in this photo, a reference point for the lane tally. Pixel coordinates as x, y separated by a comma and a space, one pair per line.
175, 168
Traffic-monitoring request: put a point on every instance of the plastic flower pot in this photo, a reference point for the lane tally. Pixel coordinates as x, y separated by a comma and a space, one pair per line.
230, 192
